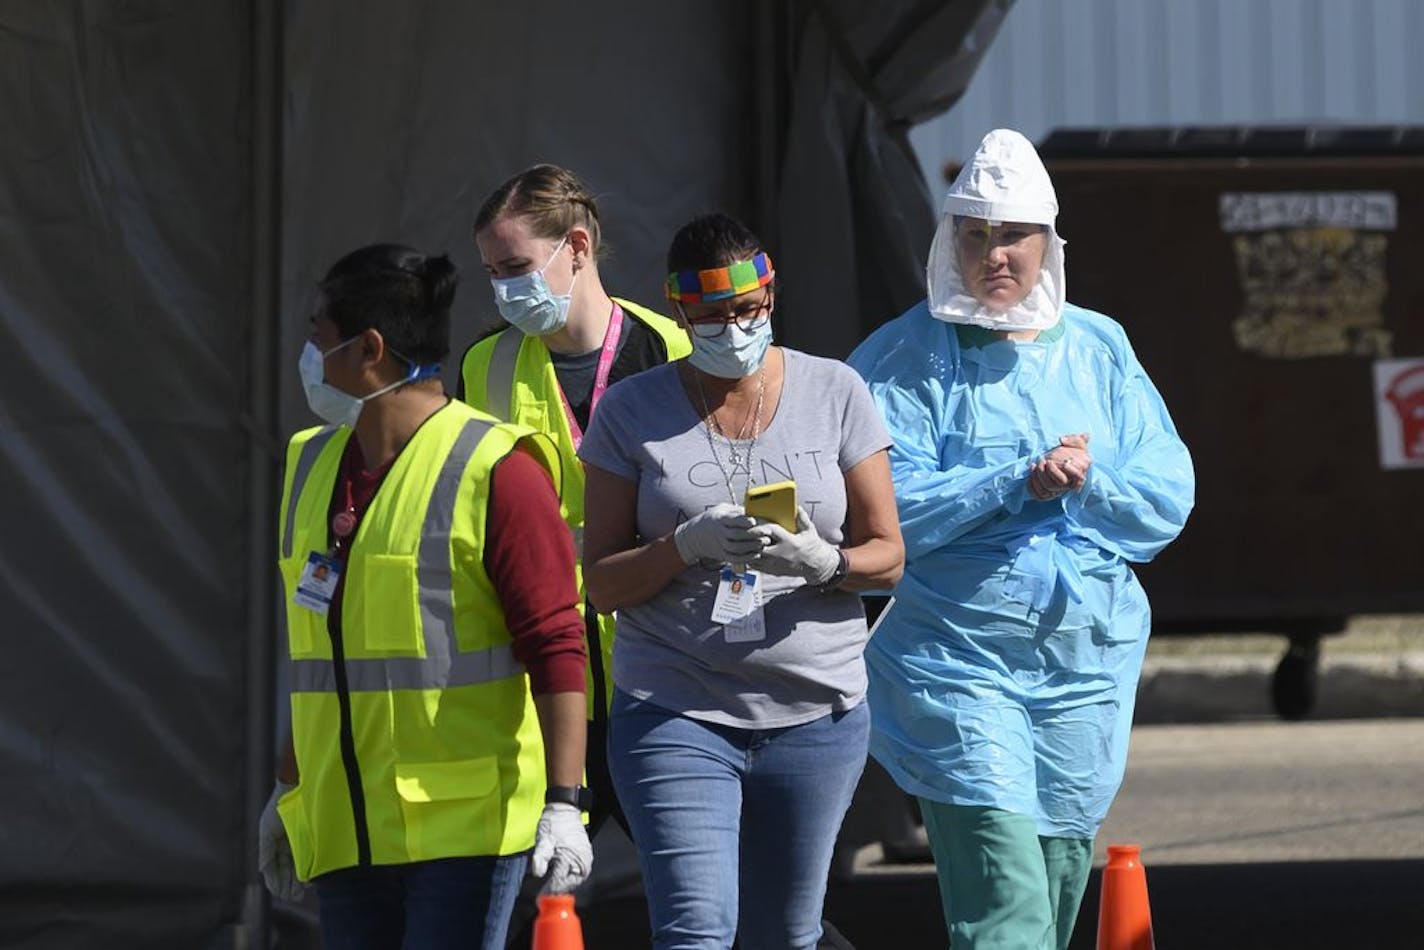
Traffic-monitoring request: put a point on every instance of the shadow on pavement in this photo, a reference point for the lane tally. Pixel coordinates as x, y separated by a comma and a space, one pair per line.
1302, 905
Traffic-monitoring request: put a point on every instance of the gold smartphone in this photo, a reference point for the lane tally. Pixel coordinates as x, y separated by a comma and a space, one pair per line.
775, 502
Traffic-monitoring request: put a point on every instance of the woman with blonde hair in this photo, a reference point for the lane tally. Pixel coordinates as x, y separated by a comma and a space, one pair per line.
566, 342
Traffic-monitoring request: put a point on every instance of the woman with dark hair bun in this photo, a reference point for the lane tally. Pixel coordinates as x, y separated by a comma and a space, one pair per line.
437, 662
738, 728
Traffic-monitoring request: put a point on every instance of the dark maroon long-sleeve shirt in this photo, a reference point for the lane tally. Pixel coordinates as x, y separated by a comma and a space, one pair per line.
529, 556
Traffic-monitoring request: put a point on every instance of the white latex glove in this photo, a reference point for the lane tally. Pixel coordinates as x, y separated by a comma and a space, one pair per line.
804, 554
561, 849
722, 534
274, 851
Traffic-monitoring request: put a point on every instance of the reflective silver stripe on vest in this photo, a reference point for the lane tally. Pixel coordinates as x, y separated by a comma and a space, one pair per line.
443, 665
499, 379
305, 461
383, 675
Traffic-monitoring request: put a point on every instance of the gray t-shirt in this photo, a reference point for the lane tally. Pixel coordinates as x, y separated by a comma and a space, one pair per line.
668, 650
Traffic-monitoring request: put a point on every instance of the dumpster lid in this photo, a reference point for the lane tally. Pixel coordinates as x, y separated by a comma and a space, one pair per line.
1233, 140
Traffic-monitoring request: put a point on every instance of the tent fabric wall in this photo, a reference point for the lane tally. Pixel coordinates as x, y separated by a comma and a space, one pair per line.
400, 119
123, 269
855, 219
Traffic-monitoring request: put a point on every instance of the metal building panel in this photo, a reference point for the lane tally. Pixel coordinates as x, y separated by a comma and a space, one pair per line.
1063, 63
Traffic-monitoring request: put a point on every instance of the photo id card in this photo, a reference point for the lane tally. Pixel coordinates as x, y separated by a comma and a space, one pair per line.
738, 607
317, 584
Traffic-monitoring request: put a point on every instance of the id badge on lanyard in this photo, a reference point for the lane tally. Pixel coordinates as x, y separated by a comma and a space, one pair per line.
318, 583
600, 376
738, 606
322, 572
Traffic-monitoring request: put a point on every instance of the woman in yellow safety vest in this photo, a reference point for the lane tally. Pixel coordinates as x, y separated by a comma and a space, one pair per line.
437, 660
567, 342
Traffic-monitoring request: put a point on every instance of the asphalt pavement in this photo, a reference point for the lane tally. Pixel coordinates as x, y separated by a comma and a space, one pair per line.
1258, 835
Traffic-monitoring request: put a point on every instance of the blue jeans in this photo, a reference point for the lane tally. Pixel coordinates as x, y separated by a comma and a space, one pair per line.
718, 811
429, 905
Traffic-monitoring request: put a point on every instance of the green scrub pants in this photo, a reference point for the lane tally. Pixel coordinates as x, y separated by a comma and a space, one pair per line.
1003, 886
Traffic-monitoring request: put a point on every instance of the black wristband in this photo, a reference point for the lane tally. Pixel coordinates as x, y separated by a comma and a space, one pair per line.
839, 575
580, 796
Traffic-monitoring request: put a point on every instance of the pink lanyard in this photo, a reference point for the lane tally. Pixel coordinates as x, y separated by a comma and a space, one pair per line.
600, 376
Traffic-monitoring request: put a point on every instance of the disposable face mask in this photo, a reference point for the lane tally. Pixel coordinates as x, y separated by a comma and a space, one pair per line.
331, 404
733, 353
527, 303
328, 402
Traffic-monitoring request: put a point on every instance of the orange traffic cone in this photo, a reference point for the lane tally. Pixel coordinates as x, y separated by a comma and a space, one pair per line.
557, 927
1124, 919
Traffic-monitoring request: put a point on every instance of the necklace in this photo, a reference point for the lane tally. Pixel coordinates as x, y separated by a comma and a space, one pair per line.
734, 455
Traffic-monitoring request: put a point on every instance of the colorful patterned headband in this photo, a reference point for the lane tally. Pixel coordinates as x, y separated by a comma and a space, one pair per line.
719, 283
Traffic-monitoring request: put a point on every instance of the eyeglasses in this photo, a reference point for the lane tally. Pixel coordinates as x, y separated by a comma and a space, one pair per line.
748, 317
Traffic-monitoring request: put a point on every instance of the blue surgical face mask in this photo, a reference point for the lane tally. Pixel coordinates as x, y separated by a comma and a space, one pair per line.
334, 405
733, 353
527, 303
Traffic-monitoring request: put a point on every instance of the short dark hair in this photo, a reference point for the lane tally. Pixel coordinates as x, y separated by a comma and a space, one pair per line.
711, 240
398, 291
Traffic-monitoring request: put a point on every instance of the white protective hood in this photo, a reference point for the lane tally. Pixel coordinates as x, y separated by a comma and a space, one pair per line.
1004, 181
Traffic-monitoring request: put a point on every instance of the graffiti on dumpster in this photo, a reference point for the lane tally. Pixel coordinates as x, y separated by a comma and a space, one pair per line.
1312, 271
1399, 411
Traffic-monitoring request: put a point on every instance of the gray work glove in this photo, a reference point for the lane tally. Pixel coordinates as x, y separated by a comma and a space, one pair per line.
562, 850
804, 554
274, 851
722, 534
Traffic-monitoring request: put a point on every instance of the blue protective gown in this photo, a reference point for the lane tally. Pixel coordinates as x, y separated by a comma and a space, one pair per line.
1005, 670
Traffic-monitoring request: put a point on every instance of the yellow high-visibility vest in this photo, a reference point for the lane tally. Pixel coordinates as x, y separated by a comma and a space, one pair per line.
511, 376
443, 756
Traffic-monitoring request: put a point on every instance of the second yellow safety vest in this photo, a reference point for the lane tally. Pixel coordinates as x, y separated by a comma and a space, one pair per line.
511, 376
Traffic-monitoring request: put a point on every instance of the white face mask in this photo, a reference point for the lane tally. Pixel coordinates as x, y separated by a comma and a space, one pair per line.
732, 354
331, 404
528, 304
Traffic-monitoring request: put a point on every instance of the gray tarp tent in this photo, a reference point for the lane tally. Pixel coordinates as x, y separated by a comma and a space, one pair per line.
174, 175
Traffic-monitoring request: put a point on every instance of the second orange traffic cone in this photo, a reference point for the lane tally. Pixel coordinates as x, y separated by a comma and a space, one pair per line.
557, 927
1124, 917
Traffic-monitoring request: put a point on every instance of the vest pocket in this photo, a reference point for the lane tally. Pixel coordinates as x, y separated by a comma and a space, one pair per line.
529, 410
450, 803
389, 589
299, 836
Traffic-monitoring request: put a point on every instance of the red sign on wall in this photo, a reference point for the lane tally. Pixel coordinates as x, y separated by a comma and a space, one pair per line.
1399, 409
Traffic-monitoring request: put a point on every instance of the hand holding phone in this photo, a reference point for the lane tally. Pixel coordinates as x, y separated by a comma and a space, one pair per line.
803, 553
775, 503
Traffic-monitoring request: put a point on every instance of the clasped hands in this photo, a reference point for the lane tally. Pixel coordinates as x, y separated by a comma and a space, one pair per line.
726, 534
1062, 469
